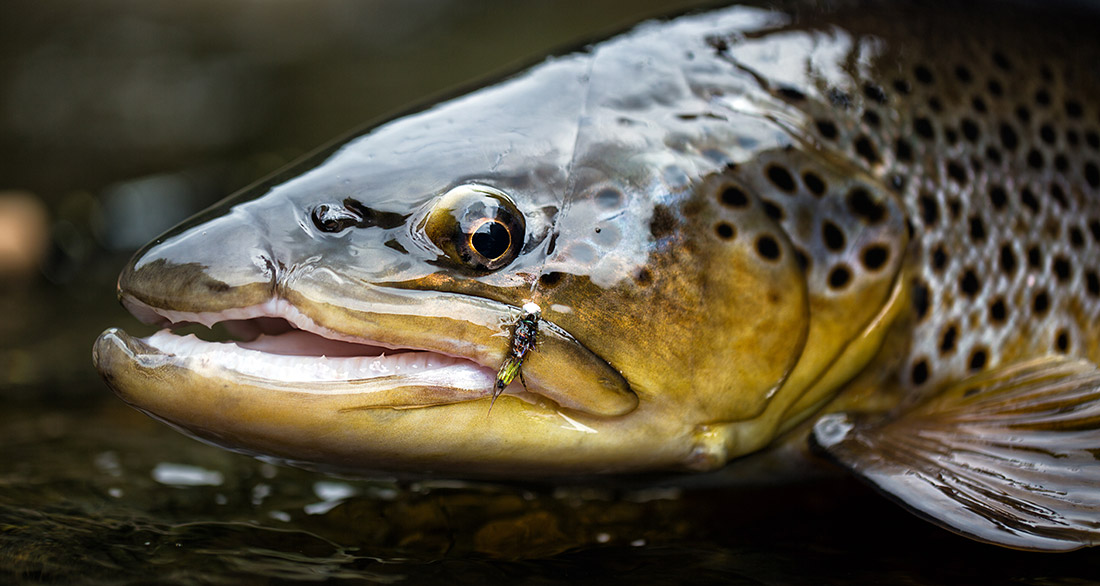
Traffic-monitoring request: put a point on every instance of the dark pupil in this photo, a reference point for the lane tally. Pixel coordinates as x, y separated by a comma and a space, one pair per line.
491, 240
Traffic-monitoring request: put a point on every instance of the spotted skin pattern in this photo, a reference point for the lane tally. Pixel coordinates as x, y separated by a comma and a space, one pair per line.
992, 145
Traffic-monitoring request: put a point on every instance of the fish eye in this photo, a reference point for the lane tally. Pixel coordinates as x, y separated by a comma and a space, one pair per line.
476, 226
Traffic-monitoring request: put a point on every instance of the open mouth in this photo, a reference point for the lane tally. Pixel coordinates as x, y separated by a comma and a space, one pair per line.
276, 342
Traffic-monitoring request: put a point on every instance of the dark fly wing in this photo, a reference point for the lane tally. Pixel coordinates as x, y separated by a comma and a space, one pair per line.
1008, 457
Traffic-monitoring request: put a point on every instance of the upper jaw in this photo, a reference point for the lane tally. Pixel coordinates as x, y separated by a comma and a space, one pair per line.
443, 347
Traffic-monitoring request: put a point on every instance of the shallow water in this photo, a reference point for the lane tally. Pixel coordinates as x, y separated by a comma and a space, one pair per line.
122, 117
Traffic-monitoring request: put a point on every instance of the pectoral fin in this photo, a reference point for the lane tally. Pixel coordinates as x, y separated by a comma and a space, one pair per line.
1010, 456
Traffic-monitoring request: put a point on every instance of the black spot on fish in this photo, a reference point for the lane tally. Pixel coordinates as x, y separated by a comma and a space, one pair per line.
644, 277
969, 284
978, 358
772, 210
955, 207
874, 93
551, 279
1042, 97
963, 74
1092, 174
767, 247
781, 178
1027, 197
814, 183
1001, 61
947, 341
1040, 303
1008, 260
866, 149
919, 373
864, 206
1034, 257
663, 223
1059, 195
1035, 159
929, 209
734, 197
923, 74
871, 118
1076, 237
939, 259
921, 299
1061, 162
1061, 341
903, 151
802, 259
839, 277
833, 236
1009, 139
1062, 269
1092, 138
923, 127
993, 154
827, 129
956, 172
998, 311
977, 229
935, 104
875, 256
970, 129
902, 86
1092, 283
998, 197
979, 105
1046, 132
725, 231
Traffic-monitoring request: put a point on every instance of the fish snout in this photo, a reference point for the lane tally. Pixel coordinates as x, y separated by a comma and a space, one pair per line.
209, 267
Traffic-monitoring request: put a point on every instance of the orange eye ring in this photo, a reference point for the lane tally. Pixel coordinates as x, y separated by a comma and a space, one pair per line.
476, 227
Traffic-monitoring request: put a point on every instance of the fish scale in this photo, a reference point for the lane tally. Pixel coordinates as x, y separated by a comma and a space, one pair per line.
994, 153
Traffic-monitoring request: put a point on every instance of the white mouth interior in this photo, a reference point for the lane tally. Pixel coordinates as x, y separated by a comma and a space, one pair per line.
277, 342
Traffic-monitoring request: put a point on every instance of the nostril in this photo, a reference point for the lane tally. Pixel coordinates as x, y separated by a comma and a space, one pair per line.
334, 218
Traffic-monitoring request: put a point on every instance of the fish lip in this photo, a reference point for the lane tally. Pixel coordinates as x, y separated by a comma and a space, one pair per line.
275, 307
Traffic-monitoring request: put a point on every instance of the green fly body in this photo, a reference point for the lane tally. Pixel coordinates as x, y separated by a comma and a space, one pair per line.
523, 340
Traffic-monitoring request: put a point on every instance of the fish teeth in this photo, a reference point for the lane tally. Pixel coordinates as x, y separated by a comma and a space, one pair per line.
289, 368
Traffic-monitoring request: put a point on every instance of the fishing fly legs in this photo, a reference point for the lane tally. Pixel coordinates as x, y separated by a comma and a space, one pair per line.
524, 336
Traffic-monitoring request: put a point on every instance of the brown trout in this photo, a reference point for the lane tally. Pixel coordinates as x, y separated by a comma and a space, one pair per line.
873, 231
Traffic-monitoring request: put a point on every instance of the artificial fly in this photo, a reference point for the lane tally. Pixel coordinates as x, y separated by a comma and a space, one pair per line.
523, 340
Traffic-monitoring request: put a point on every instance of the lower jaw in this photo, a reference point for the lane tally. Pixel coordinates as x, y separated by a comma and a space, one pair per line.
299, 356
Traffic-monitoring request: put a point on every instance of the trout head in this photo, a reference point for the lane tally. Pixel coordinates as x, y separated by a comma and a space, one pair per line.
373, 291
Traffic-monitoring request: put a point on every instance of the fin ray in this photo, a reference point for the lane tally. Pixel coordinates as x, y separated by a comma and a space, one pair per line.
1010, 456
